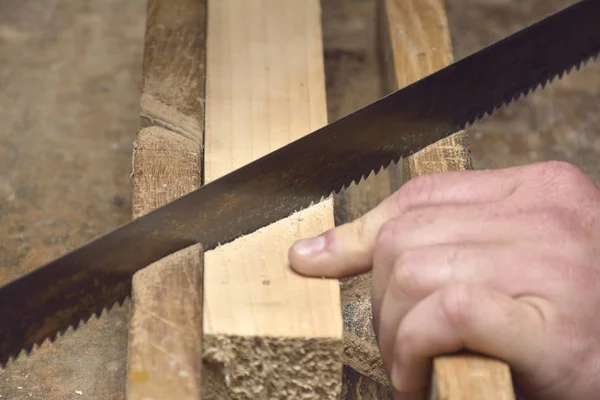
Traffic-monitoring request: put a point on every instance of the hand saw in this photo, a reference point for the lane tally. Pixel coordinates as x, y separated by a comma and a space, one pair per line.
83, 282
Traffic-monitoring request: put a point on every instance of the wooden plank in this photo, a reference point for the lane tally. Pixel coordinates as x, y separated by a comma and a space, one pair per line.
268, 332
357, 386
164, 354
353, 81
414, 41
420, 44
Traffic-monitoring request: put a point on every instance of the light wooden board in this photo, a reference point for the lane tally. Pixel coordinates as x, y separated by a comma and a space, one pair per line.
414, 41
418, 47
268, 333
164, 354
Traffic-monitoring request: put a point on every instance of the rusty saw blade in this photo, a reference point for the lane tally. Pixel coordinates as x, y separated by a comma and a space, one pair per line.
72, 288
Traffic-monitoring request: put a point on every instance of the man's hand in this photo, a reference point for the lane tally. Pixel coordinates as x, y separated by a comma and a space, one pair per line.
501, 262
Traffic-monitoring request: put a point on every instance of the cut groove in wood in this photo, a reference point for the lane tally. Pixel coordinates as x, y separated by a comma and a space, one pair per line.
164, 354
268, 332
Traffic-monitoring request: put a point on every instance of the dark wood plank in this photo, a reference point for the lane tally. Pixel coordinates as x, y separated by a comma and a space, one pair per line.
164, 357
414, 41
420, 28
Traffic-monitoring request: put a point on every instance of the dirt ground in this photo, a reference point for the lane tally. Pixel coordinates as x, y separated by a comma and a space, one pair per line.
69, 104
69, 92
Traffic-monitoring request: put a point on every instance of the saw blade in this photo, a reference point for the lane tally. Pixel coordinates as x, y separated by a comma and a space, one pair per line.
81, 283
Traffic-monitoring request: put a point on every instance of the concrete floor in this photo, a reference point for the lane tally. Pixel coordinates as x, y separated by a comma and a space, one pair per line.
69, 103
69, 93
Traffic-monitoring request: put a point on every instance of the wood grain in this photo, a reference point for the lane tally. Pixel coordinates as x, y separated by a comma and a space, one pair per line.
414, 41
470, 377
164, 354
419, 44
357, 386
268, 332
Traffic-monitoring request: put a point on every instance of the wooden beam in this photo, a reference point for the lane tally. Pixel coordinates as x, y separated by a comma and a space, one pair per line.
414, 42
268, 332
420, 45
164, 355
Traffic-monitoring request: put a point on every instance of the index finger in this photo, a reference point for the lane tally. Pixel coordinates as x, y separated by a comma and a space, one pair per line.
348, 249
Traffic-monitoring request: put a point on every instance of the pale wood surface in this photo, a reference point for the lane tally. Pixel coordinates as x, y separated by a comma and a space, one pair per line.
251, 291
414, 42
164, 354
471, 378
268, 333
420, 45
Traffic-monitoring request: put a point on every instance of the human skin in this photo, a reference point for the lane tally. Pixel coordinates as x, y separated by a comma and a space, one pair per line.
500, 262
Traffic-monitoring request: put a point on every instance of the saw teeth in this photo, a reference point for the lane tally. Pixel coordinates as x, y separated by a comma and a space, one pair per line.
15, 355
502, 104
374, 172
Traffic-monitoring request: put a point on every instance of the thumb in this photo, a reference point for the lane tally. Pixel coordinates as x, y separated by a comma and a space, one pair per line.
348, 249
342, 251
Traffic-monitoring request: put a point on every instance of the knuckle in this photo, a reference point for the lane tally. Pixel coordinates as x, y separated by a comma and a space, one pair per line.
561, 174
566, 272
419, 189
457, 304
385, 246
414, 219
387, 232
408, 339
562, 168
557, 220
548, 268
578, 278
406, 280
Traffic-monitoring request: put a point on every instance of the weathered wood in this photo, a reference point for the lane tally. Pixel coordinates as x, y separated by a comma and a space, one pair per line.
359, 387
268, 332
164, 355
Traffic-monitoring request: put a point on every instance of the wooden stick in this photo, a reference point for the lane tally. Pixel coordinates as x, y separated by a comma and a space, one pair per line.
164, 356
268, 332
414, 41
419, 44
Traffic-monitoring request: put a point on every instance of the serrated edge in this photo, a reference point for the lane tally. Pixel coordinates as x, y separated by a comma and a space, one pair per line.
503, 104
15, 355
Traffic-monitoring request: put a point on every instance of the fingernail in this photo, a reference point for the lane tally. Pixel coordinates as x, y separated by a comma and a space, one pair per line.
395, 375
310, 247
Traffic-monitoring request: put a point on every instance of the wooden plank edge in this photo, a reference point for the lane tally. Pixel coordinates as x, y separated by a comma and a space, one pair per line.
420, 28
268, 332
165, 335
164, 349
